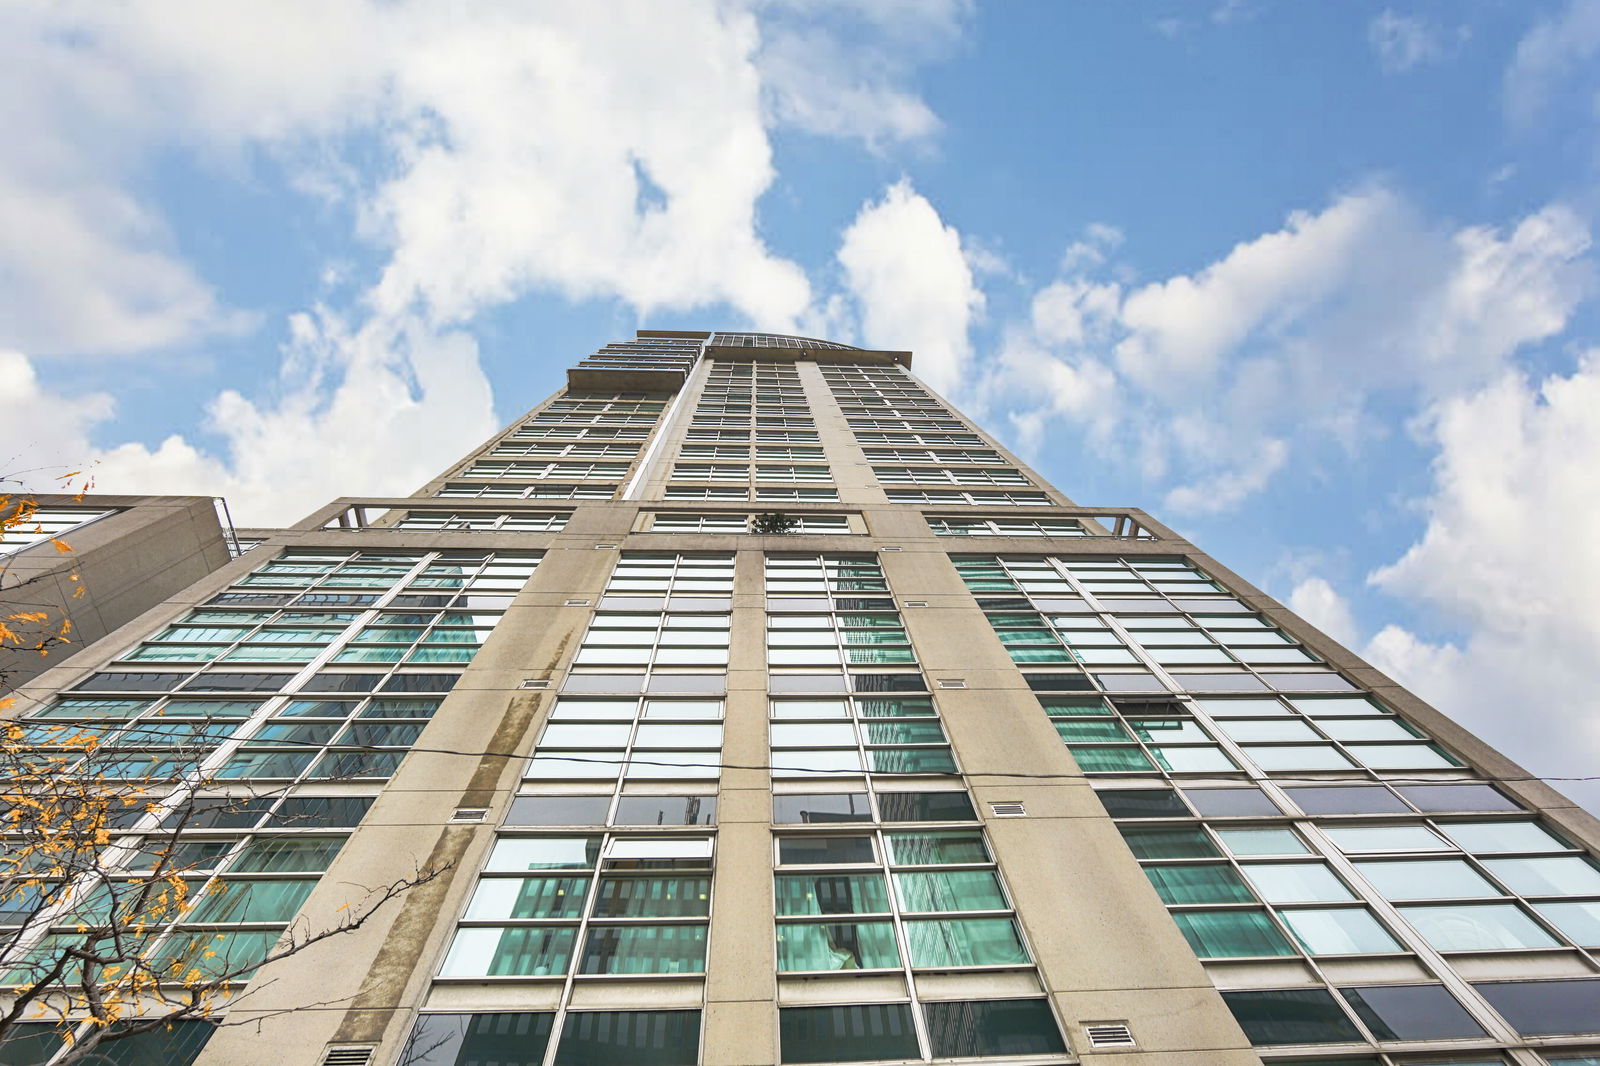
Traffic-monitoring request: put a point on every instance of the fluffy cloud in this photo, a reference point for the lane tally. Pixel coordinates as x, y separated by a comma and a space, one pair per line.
1558, 48
511, 149
1406, 41
907, 273
1288, 339
1506, 560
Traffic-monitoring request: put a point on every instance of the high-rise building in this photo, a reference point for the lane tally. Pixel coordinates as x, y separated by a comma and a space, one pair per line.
758, 707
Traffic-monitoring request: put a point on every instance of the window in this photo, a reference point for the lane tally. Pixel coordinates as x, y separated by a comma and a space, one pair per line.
545, 906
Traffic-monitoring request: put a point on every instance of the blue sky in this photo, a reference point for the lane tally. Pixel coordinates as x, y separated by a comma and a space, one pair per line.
1314, 283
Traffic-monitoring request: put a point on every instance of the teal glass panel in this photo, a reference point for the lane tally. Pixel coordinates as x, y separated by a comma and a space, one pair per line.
645, 949
1039, 655
928, 849
949, 890
1198, 883
1092, 730
288, 854
653, 897
911, 760
831, 894
1169, 843
522, 951
1484, 838
836, 946
251, 901
1231, 934
1199, 758
908, 732
942, 942
1110, 758
1057, 707
1356, 839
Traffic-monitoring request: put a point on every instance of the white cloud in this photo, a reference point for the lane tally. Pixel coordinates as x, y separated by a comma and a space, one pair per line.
46, 433
1404, 42
1507, 558
1556, 50
912, 284
1290, 339
1319, 603
839, 69
521, 148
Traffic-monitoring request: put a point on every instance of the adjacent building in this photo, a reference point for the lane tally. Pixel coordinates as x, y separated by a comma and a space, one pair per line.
759, 707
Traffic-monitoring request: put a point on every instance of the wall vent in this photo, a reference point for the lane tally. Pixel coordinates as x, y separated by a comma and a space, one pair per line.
1008, 810
469, 814
952, 682
348, 1055
890, 548
1109, 1034
577, 603
535, 682
604, 547
916, 603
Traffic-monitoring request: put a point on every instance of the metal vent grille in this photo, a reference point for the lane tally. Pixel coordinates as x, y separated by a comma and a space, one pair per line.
952, 682
535, 682
890, 548
604, 547
1008, 810
916, 603
577, 603
1109, 1034
469, 814
348, 1055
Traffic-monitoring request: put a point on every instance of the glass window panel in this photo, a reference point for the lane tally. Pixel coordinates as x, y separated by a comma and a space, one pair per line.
926, 807
824, 850
993, 1027
523, 951
678, 735
1426, 879
821, 807
949, 890
836, 946
1109, 758
1400, 756
947, 942
1291, 1016
667, 810
1261, 841
1546, 1008
288, 854
1198, 883
1169, 843
1297, 757
1477, 927
645, 949
1354, 839
1296, 882
606, 765
1267, 729
863, 1033
1567, 875
1338, 930
1579, 921
512, 854
1197, 758
634, 1037
813, 734
1359, 799
1412, 1012
1231, 933
797, 763
859, 893
1142, 803
1230, 802
1444, 798
1482, 838
923, 849
558, 810
528, 897
505, 1039
653, 897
